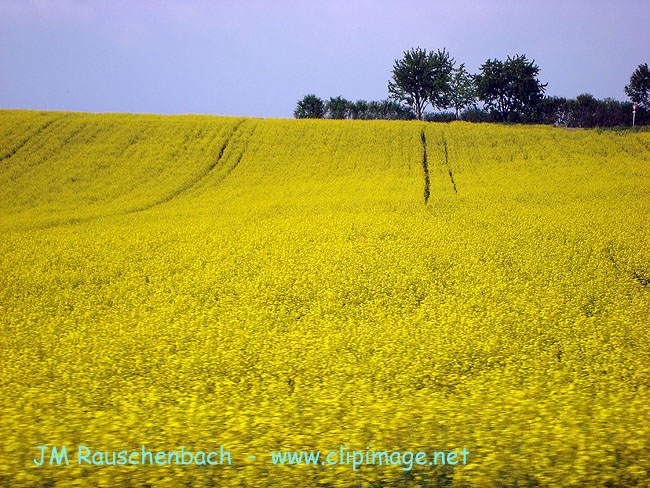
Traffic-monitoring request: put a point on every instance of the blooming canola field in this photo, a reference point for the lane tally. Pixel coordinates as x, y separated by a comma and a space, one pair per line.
298, 285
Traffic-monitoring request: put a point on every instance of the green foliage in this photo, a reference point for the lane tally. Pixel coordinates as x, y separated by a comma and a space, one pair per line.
359, 109
587, 111
552, 111
421, 78
584, 111
388, 110
478, 115
341, 108
440, 117
310, 107
338, 108
462, 90
510, 87
639, 88
510, 90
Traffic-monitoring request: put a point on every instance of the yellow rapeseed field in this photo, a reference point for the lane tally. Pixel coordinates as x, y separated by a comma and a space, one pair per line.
281, 285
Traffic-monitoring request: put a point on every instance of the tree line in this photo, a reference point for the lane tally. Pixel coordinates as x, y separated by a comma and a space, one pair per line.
503, 91
339, 108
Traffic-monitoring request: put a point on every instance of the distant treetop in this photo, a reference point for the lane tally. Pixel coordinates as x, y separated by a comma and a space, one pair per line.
639, 88
310, 107
420, 78
510, 87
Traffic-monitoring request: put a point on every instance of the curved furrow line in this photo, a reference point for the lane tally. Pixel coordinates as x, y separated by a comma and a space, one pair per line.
160, 201
241, 155
190, 184
28, 138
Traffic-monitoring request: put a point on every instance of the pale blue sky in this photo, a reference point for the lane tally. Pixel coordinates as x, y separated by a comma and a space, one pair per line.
257, 58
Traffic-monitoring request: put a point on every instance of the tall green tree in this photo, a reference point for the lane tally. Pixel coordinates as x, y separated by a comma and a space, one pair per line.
421, 78
359, 109
639, 88
583, 111
510, 87
310, 107
338, 108
462, 90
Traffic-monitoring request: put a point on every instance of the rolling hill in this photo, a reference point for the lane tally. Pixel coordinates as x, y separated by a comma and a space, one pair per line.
273, 285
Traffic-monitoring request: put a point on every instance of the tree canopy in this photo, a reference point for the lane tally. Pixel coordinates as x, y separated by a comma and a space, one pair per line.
639, 88
420, 78
338, 108
510, 87
462, 90
508, 91
310, 107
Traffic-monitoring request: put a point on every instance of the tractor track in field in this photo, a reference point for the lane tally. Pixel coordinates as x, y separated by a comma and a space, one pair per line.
451, 175
241, 155
637, 275
22, 143
190, 184
425, 167
165, 199
19, 172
